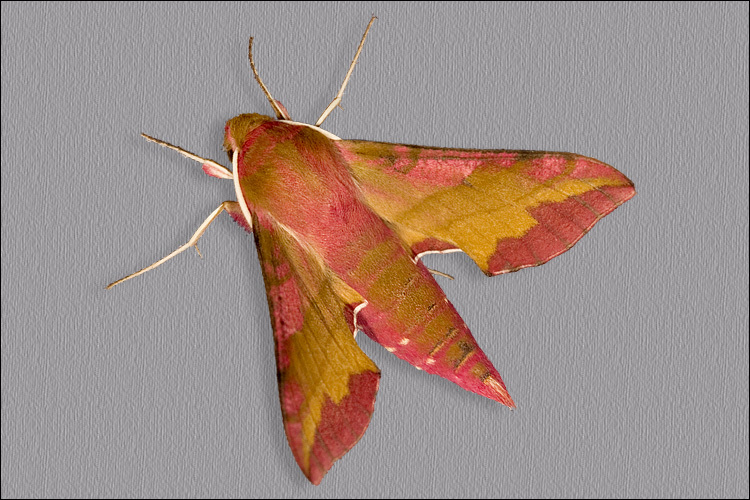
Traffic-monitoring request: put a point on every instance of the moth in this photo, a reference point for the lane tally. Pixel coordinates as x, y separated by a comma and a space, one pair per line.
340, 228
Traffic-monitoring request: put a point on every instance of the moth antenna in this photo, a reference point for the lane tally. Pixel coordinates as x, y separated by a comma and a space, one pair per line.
227, 205
209, 166
440, 273
337, 100
281, 112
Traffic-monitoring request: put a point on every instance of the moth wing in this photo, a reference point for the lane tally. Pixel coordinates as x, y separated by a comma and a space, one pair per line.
506, 209
327, 385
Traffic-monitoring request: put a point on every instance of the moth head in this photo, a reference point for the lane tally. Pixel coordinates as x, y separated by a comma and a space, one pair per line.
237, 129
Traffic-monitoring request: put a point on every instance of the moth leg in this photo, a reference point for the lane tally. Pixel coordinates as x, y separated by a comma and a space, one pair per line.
210, 167
441, 273
354, 317
278, 108
337, 100
229, 206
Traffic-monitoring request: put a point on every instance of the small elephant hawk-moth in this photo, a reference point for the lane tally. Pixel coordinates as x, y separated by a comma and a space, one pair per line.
340, 228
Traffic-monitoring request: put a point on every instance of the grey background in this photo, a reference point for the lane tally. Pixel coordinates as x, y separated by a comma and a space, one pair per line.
627, 356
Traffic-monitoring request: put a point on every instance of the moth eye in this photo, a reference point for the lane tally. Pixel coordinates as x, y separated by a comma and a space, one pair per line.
230, 154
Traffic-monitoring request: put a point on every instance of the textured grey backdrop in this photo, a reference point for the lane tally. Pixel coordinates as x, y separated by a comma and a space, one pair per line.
627, 356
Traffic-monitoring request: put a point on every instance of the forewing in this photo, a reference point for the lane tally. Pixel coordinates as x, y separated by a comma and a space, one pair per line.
506, 209
327, 385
